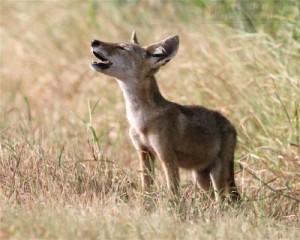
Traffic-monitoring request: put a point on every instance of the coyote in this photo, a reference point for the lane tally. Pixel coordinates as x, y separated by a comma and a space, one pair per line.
190, 137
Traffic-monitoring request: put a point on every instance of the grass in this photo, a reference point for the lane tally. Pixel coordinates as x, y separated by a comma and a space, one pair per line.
67, 167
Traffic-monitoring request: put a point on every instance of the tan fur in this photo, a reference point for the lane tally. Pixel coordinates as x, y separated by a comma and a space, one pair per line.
190, 137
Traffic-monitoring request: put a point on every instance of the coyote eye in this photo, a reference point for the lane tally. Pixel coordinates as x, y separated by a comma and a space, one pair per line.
157, 55
124, 48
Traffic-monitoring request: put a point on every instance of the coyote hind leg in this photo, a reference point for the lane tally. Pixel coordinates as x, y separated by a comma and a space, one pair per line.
227, 155
222, 173
222, 176
203, 180
218, 176
233, 191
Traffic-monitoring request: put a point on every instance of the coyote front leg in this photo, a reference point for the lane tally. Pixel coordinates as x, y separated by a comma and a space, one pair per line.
147, 169
171, 171
169, 162
146, 158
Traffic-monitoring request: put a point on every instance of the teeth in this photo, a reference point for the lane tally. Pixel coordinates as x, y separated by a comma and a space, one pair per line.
100, 61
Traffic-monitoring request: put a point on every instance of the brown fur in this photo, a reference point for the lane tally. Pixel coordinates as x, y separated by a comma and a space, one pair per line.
190, 137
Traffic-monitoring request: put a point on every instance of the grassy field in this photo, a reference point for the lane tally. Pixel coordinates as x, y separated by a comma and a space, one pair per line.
67, 167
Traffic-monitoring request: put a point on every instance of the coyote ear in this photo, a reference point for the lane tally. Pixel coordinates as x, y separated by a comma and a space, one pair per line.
134, 38
162, 52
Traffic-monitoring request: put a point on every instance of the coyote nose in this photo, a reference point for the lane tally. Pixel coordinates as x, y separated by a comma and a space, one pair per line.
95, 43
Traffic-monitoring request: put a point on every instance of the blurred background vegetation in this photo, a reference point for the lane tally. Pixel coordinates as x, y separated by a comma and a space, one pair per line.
275, 17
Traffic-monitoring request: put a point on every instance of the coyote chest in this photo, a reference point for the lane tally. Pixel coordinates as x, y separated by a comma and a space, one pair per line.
137, 119
140, 119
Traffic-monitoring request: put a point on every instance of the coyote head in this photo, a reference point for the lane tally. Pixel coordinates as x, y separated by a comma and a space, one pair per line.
130, 60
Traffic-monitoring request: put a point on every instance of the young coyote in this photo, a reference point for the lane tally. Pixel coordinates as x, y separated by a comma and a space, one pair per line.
190, 137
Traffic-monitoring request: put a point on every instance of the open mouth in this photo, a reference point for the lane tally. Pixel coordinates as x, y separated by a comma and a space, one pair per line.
102, 62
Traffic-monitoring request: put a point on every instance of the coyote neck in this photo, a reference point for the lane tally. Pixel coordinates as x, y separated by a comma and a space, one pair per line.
143, 100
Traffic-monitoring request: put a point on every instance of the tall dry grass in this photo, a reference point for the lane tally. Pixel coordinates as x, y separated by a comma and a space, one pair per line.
67, 167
